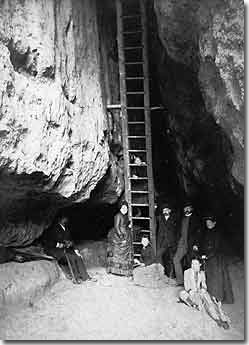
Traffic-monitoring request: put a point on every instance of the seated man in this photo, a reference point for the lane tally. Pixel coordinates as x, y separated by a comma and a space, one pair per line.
57, 242
195, 294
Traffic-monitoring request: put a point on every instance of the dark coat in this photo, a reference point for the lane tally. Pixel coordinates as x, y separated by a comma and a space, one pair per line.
147, 255
168, 232
67, 257
190, 235
54, 235
217, 274
194, 232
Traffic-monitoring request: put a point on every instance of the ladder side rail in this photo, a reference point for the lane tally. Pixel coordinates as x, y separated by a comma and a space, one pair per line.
148, 125
123, 102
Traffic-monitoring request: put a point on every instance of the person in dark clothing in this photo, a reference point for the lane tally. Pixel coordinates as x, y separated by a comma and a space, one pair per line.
149, 272
218, 279
189, 240
58, 243
147, 253
167, 237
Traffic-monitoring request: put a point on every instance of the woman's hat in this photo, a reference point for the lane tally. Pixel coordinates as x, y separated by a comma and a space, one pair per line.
123, 202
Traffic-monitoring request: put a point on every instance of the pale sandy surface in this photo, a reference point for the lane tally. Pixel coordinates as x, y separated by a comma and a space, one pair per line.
115, 309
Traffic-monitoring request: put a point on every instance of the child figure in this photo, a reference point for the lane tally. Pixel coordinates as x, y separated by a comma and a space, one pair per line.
149, 273
147, 253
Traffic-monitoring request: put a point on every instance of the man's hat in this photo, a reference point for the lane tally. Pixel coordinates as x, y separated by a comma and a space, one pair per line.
209, 216
187, 203
166, 204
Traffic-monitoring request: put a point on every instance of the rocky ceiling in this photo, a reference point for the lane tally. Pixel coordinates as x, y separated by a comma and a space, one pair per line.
58, 67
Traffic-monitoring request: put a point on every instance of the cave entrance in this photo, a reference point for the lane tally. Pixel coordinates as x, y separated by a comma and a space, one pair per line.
89, 224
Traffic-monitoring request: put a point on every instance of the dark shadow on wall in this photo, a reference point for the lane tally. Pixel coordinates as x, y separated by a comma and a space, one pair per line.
90, 220
193, 156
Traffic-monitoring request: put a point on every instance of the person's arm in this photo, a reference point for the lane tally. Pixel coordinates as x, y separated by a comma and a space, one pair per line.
203, 280
187, 285
188, 282
68, 239
117, 220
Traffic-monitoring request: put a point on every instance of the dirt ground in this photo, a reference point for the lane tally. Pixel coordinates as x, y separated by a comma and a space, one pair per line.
115, 309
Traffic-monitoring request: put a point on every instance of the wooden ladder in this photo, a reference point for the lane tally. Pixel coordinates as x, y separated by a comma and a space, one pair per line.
136, 124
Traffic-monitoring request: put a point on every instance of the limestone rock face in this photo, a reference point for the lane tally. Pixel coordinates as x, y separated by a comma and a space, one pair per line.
208, 38
53, 125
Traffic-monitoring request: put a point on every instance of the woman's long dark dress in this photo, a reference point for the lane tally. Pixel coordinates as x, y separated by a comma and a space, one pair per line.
120, 249
218, 279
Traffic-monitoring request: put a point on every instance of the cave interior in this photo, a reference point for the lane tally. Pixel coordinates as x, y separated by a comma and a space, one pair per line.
192, 155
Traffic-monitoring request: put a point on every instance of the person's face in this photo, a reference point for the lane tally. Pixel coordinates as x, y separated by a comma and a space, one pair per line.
188, 210
63, 221
145, 241
195, 265
210, 224
124, 209
166, 211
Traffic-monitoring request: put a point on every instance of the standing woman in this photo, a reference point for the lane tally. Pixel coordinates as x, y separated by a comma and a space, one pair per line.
218, 279
120, 249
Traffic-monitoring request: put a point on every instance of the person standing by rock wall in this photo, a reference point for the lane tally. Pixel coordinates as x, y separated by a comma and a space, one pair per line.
167, 236
218, 279
188, 239
120, 248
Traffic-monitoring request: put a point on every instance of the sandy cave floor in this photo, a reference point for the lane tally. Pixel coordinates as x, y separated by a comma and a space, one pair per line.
115, 309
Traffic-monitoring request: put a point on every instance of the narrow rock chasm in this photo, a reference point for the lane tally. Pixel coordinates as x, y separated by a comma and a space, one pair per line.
76, 152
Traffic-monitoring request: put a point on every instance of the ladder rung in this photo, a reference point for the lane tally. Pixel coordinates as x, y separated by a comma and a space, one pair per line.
140, 217
135, 78
134, 63
137, 165
136, 123
132, 16
135, 242
113, 106
135, 92
133, 47
140, 191
137, 151
132, 32
136, 136
135, 108
142, 205
137, 254
138, 178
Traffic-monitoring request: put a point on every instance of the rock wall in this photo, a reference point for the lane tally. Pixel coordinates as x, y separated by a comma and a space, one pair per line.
53, 124
208, 38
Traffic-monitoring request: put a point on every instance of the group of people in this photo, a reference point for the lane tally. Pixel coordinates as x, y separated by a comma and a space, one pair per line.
189, 251
194, 237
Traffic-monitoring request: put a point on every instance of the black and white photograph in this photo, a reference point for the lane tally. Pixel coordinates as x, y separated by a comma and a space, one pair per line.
122, 170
